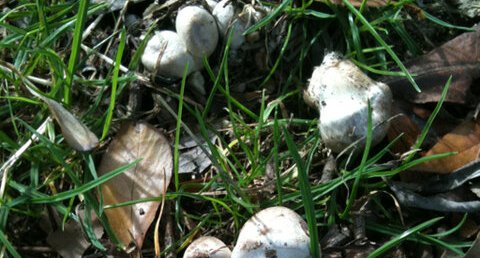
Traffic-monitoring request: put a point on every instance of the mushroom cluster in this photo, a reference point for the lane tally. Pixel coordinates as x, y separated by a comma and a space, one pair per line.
168, 52
273, 232
342, 93
196, 35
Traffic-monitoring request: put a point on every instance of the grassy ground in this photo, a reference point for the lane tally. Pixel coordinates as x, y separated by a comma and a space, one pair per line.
268, 151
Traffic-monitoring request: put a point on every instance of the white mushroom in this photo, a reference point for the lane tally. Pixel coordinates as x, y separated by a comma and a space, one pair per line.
114, 5
207, 246
167, 55
211, 4
238, 27
273, 232
341, 91
197, 82
249, 16
198, 30
223, 13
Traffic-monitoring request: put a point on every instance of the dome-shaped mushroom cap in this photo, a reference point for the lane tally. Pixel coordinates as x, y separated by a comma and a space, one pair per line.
166, 54
273, 232
341, 92
198, 30
207, 246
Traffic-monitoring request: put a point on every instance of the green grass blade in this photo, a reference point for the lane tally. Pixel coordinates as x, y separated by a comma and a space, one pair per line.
77, 41
427, 126
452, 230
176, 154
113, 96
318, 14
41, 17
400, 238
276, 158
389, 50
356, 39
85, 187
445, 24
280, 56
8, 245
306, 195
269, 18
361, 169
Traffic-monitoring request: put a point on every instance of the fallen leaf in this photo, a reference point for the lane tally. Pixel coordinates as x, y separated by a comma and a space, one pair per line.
71, 242
76, 134
402, 124
149, 178
465, 139
192, 158
459, 58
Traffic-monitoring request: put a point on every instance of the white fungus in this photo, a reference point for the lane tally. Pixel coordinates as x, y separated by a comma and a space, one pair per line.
198, 30
207, 246
273, 232
341, 92
167, 55
197, 82
223, 13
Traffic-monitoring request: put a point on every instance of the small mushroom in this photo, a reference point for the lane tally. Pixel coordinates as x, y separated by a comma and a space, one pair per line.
223, 13
198, 30
207, 246
238, 27
273, 232
341, 92
197, 82
167, 55
211, 4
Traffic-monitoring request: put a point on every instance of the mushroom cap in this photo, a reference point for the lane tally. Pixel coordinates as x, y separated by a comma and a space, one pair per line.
207, 246
211, 4
273, 232
238, 28
197, 82
341, 92
198, 30
114, 5
223, 13
174, 55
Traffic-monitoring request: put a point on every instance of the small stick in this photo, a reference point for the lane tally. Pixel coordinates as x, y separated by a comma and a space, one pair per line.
11, 161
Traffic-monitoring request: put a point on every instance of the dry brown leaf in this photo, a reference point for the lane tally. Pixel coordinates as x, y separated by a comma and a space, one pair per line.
72, 242
76, 134
402, 124
465, 140
459, 57
147, 179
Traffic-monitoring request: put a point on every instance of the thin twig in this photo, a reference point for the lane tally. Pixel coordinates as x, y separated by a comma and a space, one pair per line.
11, 161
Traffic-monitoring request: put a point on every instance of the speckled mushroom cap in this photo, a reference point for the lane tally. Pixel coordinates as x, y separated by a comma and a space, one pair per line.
207, 246
341, 92
273, 232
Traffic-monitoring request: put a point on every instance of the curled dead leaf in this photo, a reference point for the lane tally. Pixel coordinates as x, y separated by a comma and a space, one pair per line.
76, 134
71, 241
465, 140
459, 58
149, 178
